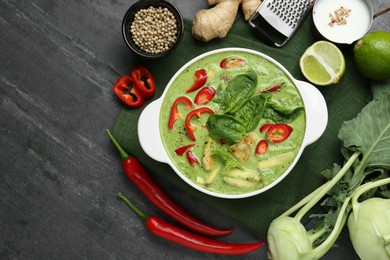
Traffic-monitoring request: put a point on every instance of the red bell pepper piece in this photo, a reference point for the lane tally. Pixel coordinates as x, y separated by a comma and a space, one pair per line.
272, 89
196, 112
125, 89
144, 81
279, 132
265, 127
191, 158
204, 96
200, 80
261, 147
231, 62
174, 115
181, 150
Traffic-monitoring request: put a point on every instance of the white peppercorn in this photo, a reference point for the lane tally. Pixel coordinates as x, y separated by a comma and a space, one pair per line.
154, 30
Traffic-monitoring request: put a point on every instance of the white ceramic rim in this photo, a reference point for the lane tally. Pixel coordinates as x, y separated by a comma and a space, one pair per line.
312, 98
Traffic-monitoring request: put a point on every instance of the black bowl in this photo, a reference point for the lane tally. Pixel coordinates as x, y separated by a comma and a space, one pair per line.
129, 18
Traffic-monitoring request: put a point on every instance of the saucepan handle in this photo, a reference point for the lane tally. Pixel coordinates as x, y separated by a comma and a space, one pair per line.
316, 112
149, 133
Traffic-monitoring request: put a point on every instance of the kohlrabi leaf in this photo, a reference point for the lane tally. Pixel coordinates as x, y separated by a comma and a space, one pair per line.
369, 132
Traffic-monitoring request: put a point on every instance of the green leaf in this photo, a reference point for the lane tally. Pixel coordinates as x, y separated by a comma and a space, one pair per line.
252, 111
225, 127
370, 133
286, 103
237, 92
230, 160
276, 116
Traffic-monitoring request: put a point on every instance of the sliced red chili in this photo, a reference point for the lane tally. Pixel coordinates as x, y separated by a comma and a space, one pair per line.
272, 89
144, 81
204, 96
265, 127
231, 62
174, 115
191, 158
279, 132
124, 89
261, 147
166, 230
140, 177
181, 150
196, 112
200, 80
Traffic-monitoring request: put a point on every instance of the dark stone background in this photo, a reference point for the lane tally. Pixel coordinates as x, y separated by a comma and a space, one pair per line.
58, 61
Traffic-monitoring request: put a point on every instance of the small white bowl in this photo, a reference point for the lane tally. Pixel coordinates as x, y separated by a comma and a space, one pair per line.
316, 122
357, 23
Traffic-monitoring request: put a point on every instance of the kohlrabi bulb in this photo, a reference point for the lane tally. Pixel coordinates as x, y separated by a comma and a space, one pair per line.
369, 229
288, 239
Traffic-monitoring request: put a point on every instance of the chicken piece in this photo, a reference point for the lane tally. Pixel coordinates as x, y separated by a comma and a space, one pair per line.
242, 151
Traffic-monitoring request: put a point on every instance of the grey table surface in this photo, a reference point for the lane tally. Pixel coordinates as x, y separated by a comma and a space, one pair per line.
58, 61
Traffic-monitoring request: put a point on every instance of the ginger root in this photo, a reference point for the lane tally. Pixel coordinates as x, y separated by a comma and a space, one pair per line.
249, 7
217, 21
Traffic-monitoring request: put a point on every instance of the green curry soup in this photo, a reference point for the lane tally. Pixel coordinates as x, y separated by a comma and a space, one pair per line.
230, 155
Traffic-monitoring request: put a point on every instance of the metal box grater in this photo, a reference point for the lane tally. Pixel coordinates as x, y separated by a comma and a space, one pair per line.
277, 20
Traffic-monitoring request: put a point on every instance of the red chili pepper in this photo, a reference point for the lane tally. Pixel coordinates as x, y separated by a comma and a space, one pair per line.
144, 81
261, 147
200, 80
272, 89
191, 158
196, 112
204, 96
138, 175
175, 111
231, 62
182, 237
181, 150
265, 127
125, 89
279, 132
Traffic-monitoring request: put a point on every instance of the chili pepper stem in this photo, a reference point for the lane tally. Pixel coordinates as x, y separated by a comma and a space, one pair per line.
142, 215
122, 152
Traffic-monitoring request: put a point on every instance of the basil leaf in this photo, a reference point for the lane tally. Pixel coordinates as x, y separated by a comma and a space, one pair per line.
230, 160
252, 111
286, 103
237, 91
276, 116
225, 127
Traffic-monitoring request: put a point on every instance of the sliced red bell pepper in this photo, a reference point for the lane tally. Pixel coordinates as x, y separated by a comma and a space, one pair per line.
175, 110
265, 127
191, 158
204, 96
181, 150
125, 90
196, 112
231, 62
144, 81
279, 132
261, 147
272, 89
200, 80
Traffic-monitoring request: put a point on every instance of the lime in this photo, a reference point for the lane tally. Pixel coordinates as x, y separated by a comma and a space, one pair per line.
322, 63
372, 55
